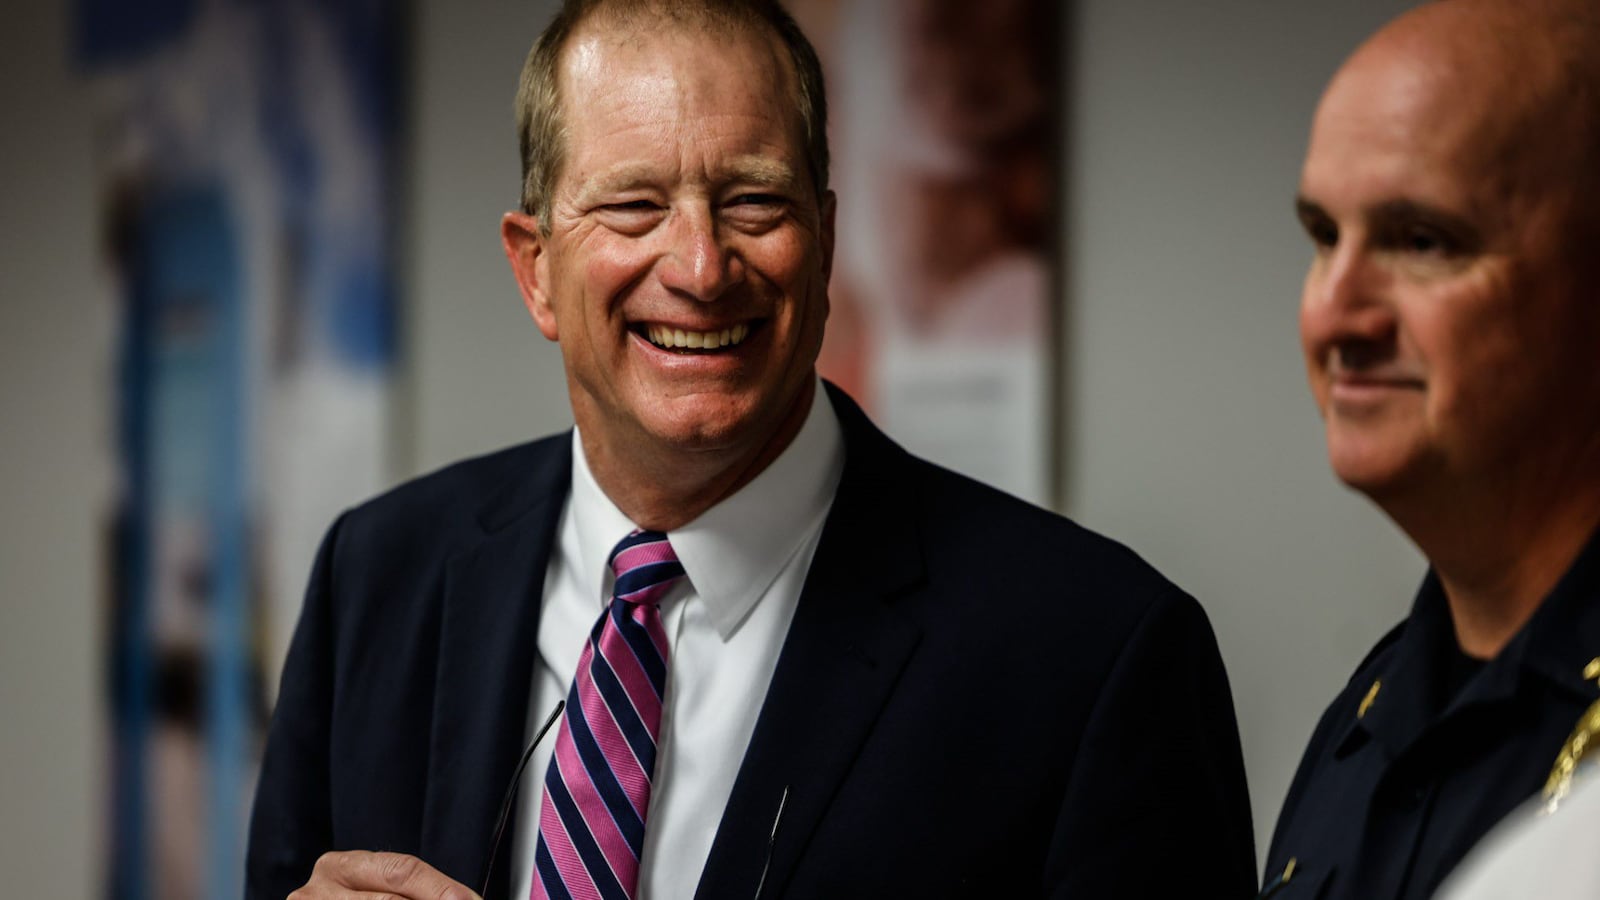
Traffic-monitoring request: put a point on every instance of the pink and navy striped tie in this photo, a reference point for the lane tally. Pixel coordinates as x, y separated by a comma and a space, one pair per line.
597, 789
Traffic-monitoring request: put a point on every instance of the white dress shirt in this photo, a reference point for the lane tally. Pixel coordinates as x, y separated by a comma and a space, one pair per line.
746, 559
1551, 857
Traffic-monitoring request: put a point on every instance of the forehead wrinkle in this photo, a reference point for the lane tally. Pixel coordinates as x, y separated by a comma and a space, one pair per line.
769, 71
1434, 81
1528, 67
642, 100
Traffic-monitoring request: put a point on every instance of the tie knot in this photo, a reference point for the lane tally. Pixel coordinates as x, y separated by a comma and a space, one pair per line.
645, 566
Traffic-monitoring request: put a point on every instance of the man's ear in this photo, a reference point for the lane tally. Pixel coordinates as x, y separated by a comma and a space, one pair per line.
530, 264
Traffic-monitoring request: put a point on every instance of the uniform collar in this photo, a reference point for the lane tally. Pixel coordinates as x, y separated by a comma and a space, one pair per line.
733, 551
1564, 635
1553, 647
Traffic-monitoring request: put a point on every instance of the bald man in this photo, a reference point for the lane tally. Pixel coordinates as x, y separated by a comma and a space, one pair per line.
1451, 328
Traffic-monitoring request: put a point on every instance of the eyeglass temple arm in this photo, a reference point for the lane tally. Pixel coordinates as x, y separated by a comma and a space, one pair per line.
511, 794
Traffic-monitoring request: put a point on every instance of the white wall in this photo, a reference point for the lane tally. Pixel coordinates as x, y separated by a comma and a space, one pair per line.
1190, 432
54, 469
482, 376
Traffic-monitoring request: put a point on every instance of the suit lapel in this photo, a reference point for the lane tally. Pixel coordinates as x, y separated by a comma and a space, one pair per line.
844, 652
488, 638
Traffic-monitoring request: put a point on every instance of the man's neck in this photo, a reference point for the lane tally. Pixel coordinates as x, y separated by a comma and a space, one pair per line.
662, 490
1498, 558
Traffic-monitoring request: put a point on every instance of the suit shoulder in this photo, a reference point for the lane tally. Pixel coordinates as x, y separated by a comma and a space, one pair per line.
456, 495
965, 519
1015, 527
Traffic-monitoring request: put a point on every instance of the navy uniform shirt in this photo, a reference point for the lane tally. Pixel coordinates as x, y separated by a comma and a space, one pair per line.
1423, 752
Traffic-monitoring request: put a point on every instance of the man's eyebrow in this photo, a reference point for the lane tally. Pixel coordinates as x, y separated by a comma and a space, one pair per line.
621, 178
758, 171
1401, 213
1401, 209
1398, 209
1307, 208
754, 171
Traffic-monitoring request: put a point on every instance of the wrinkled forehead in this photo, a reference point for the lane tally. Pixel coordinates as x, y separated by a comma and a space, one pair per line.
1480, 103
672, 64
633, 47
1457, 99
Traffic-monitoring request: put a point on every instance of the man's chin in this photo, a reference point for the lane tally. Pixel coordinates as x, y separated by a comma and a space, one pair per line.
704, 425
740, 422
1376, 469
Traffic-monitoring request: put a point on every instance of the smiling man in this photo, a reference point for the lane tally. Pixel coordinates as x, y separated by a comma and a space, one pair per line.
1451, 328
796, 661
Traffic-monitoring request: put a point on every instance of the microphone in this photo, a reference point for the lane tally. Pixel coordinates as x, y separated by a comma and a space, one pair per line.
511, 794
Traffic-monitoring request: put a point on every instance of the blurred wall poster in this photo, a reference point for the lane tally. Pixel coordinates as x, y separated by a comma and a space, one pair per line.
245, 159
944, 160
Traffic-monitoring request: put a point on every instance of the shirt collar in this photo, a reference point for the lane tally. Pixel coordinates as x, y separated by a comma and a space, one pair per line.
733, 551
1557, 642
1564, 634
1408, 697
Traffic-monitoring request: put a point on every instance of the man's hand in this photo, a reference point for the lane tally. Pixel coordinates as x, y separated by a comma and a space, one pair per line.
357, 873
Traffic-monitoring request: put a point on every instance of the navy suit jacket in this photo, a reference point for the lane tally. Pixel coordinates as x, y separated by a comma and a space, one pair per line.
976, 698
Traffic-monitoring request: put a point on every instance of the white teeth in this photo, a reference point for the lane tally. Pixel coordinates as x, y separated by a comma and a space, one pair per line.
662, 336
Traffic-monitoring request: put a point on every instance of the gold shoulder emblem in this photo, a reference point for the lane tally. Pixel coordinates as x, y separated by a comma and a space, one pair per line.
1366, 702
1577, 750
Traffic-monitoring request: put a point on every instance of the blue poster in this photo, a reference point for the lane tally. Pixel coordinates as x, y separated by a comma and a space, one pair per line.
246, 155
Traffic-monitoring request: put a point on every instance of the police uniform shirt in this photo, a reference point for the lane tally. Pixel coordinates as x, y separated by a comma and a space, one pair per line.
1423, 752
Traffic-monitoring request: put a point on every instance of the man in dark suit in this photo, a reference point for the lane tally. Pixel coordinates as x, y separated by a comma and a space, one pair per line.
1451, 329
826, 668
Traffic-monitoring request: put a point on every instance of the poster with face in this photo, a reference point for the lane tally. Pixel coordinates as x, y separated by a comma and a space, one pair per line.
945, 282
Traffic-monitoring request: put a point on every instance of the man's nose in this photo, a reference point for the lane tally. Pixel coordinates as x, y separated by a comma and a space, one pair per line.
1346, 299
698, 263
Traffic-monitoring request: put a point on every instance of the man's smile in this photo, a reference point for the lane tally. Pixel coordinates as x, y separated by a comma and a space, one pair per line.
682, 340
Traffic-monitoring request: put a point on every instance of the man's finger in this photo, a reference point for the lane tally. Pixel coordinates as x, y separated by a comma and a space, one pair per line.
398, 874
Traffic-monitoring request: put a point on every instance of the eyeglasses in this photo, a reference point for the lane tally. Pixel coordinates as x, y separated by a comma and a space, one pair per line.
511, 795
516, 779
772, 841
